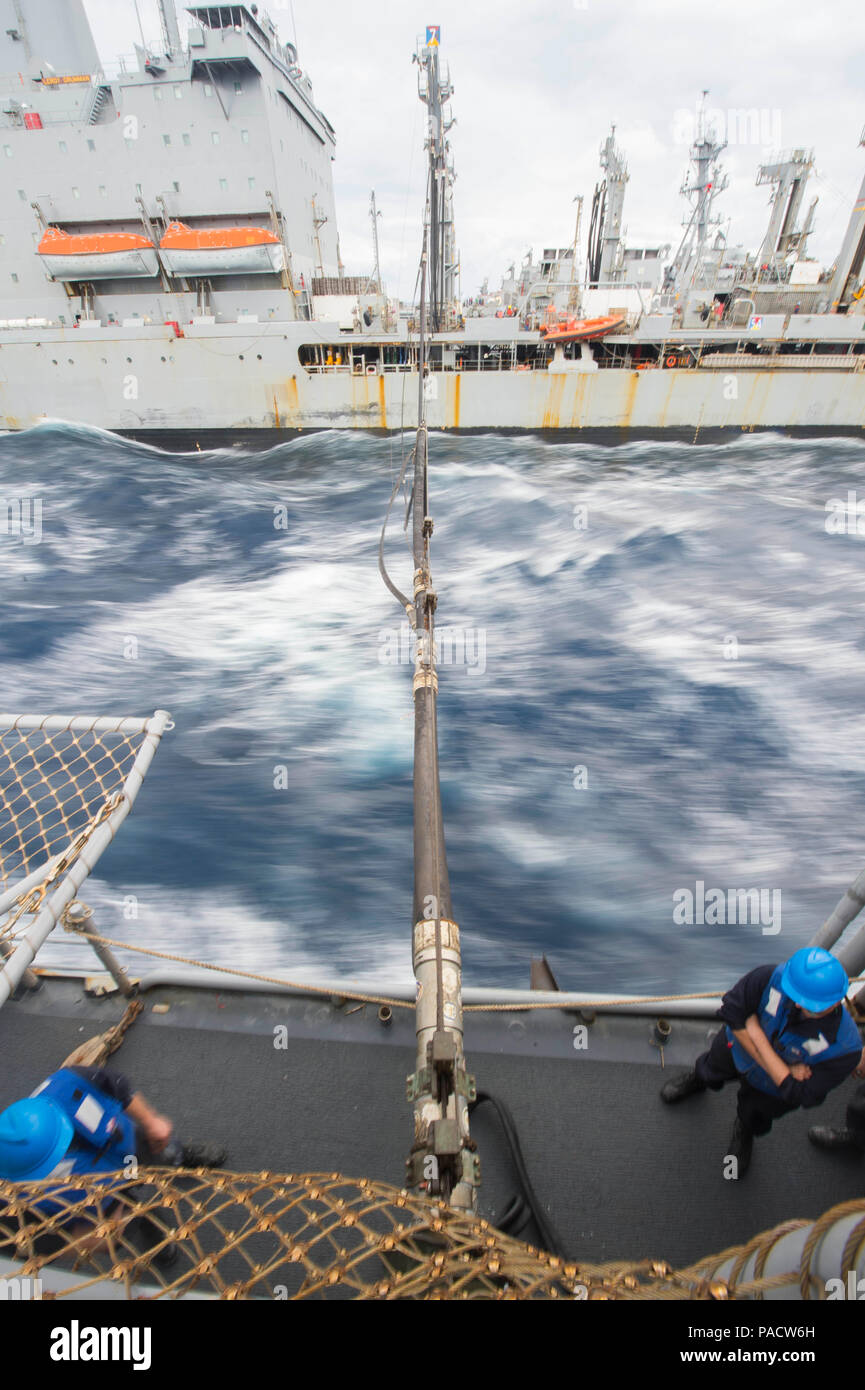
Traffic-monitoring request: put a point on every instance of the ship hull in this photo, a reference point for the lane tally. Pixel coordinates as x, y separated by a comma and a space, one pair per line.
238, 379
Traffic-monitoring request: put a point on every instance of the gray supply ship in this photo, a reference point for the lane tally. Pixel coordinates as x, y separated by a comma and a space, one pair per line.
170, 269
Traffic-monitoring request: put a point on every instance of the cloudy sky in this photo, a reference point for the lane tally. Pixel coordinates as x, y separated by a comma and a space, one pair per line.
537, 84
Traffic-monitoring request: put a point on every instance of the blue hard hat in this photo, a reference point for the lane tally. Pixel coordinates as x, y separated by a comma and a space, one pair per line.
34, 1136
814, 979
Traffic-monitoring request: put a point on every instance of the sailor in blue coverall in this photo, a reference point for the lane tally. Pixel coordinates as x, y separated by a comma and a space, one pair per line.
788, 1041
89, 1120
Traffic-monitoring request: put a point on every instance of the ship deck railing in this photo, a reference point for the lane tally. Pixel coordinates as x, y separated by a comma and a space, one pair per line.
676, 354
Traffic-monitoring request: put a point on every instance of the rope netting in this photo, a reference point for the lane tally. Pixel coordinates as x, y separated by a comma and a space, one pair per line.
170, 1233
66, 784
52, 785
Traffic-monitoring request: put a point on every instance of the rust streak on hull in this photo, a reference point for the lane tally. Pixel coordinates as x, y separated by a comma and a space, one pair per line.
554, 403
630, 399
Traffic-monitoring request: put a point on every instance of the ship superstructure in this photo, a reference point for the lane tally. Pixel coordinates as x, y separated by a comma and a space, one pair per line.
605, 254
218, 135
170, 269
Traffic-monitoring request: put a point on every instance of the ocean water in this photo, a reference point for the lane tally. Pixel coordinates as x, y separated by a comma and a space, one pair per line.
654, 679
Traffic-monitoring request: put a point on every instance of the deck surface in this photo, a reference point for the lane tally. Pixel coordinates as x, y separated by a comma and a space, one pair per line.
621, 1175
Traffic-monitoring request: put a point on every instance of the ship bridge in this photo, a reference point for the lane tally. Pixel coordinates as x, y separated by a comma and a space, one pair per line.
225, 36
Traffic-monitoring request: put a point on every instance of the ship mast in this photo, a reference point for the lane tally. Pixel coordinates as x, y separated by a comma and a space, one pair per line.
616, 172
605, 226
318, 222
574, 295
435, 90
374, 216
707, 182
170, 29
782, 237
851, 258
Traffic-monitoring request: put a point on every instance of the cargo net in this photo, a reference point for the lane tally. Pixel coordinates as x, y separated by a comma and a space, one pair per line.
52, 787
59, 779
168, 1234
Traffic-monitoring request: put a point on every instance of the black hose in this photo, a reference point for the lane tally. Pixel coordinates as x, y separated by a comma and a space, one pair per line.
526, 1198
514, 1216
593, 253
397, 593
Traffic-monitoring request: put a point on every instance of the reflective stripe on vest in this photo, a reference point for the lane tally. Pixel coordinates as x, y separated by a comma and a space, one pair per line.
774, 1014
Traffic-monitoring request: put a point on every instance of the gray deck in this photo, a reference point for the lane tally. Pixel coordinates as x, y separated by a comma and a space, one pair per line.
621, 1175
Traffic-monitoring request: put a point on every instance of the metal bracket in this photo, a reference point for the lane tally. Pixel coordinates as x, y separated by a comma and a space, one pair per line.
466, 1166
471, 1168
420, 1084
466, 1085
442, 1051
446, 1141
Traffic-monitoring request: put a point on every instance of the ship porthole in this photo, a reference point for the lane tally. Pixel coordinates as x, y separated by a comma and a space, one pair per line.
240, 357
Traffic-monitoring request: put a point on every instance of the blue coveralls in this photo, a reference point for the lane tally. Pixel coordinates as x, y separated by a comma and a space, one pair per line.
830, 1046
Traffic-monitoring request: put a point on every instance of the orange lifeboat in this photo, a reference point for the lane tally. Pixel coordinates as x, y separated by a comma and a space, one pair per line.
220, 250
571, 330
97, 255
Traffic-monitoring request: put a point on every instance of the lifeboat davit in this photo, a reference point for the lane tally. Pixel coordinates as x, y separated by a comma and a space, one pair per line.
97, 255
220, 250
570, 330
